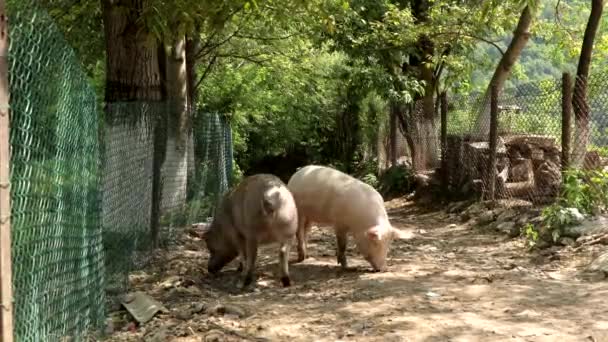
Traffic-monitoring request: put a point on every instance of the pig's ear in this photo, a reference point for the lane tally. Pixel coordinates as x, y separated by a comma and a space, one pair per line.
374, 233
402, 234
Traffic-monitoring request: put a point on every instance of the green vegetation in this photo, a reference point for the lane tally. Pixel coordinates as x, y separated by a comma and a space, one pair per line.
583, 193
320, 83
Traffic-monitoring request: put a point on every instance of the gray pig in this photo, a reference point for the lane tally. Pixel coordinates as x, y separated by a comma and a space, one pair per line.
259, 211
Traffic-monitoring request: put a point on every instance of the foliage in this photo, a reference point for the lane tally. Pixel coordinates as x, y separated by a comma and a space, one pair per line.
583, 192
531, 234
396, 180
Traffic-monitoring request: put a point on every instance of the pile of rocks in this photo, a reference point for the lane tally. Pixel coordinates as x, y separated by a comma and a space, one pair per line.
527, 166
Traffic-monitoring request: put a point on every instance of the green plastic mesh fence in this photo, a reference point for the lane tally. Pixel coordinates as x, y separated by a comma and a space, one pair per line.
128, 164
83, 197
128, 151
57, 242
213, 158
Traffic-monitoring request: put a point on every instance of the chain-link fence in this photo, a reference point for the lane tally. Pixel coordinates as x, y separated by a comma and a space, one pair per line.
529, 144
58, 268
83, 194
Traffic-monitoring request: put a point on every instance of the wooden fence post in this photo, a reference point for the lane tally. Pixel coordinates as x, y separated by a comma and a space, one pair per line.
444, 143
566, 119
491, 173
6, 284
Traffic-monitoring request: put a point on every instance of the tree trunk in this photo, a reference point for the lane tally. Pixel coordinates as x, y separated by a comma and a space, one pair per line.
132, 72
424, 141
425, 138
132, 81
408, 132
521, 35
579, 98
192, 46
175, 165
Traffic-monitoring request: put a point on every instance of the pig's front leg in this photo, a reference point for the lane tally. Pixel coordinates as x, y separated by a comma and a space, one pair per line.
341, 239
251, 253
284, 263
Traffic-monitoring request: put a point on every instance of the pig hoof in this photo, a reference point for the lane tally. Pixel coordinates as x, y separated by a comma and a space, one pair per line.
286, 281
247, 282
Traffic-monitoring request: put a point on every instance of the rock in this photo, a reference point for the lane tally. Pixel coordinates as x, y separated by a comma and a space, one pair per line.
548, 178
505, 215
521, 170
457, 206
587, 226
198, 307
184, 314
566, 241
214, 336
221, 310
526, 141
597, 269
486, 217
522, 220
509, 228
599, 264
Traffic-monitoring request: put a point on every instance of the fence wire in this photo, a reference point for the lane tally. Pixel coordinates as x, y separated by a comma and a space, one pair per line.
83, 193
529, 149
58, 268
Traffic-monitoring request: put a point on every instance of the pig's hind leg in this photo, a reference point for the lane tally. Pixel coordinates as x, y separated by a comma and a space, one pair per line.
341, 240
301, 235
251, 253
284, 263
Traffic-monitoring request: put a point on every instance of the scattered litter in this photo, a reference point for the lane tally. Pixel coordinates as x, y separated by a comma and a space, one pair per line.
141, 306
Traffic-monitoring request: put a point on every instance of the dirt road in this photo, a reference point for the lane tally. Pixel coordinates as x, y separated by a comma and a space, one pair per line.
453, 282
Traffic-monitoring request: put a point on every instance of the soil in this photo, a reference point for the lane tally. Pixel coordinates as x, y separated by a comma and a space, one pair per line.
452, 282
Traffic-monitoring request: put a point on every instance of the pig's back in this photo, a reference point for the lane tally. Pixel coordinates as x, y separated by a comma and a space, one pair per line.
249, 217
328, 196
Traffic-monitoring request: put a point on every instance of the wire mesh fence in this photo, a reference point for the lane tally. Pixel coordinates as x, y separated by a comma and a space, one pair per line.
529, 145
58, 267
83, 193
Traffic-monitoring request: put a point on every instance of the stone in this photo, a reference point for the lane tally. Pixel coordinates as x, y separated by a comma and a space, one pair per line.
589, 226
597, 270
522, 220
214, 336
486, 217
548, 178
509, 228
521, 170
506, 215
566, 241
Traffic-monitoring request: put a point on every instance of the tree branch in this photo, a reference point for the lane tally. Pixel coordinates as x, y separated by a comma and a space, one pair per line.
469, 35
268, 38
206, 72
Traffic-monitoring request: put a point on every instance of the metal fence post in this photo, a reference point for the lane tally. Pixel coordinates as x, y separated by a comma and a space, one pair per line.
444, 143
566, 119
6, 285
493, 143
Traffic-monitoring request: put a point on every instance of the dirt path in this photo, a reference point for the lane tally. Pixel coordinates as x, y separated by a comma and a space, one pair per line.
451, 283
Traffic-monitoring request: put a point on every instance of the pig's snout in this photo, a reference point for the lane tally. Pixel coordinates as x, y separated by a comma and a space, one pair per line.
215, 265
213, 269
